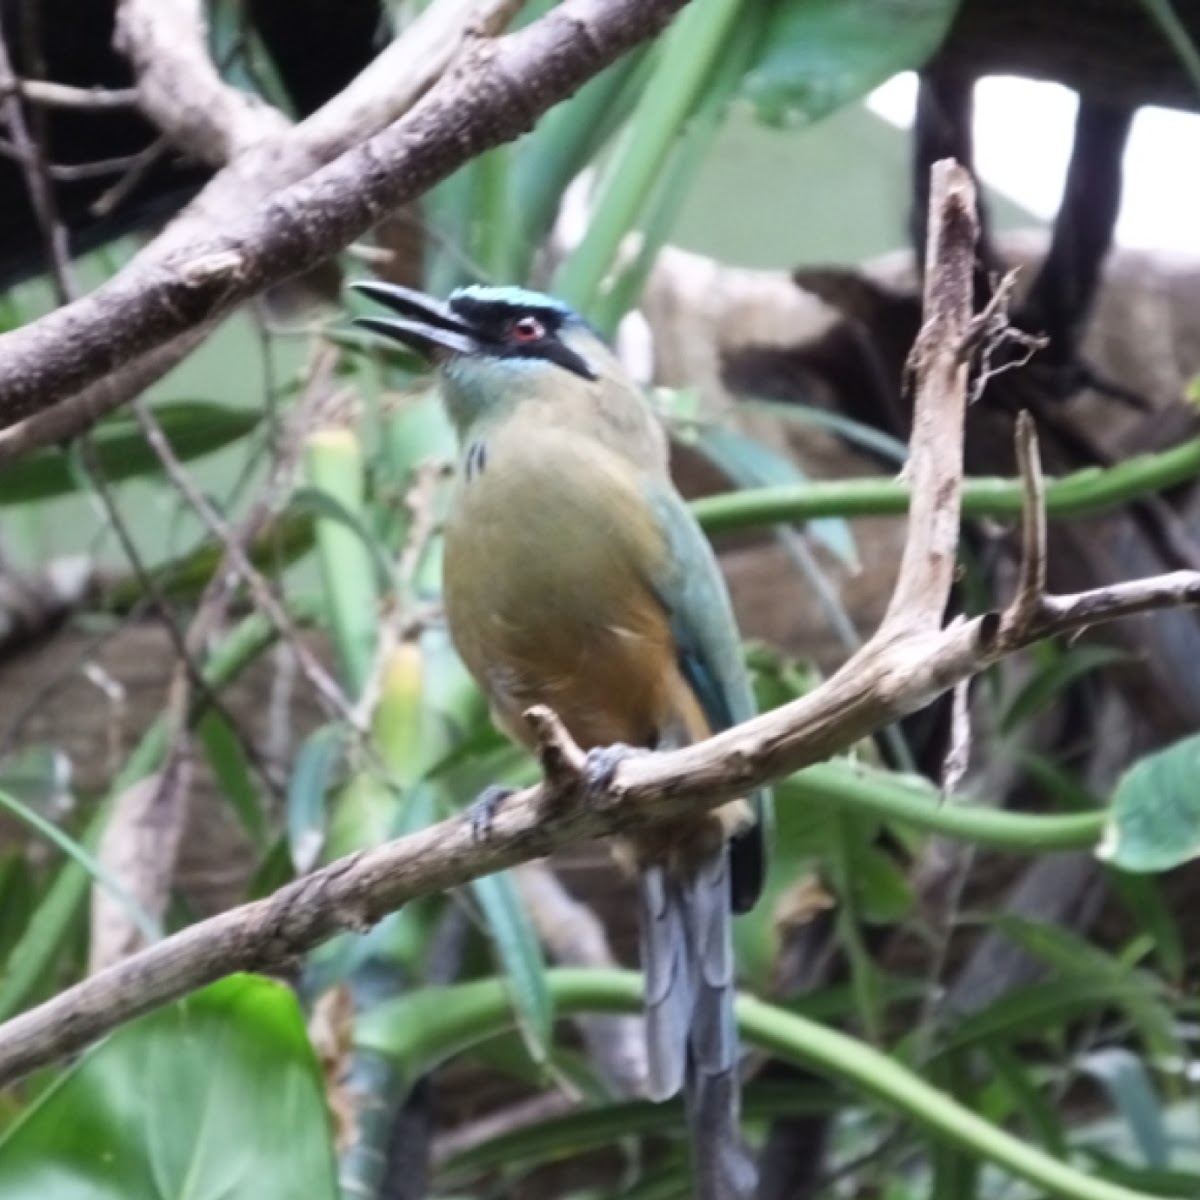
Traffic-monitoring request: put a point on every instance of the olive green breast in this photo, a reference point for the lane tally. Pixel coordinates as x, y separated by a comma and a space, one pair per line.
551, 553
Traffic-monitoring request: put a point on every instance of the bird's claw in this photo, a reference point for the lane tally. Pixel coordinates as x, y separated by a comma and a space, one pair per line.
602, 762
482, 810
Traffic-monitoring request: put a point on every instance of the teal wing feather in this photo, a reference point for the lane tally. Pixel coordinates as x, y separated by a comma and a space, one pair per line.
690, 585
686, 920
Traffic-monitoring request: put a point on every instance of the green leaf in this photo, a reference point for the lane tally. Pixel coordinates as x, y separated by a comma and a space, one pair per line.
809, 416
1040, 1009
78, 853
218, 1096
1154, 824
231, 769
521, 959
821, 54
1123, 1076
1064, 667
17, 898
1018, 1082
593, 1128
310, 783
353, 569
193, 427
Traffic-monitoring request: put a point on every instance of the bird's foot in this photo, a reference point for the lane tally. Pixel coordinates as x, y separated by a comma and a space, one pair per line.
602, 763
482, 810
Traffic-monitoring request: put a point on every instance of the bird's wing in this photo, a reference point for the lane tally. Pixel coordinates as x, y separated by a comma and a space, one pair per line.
691, 587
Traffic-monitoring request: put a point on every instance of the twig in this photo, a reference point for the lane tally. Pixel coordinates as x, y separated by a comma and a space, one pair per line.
137, 167
521, 1115
322, 682
1031, 577
63, 95
33, 165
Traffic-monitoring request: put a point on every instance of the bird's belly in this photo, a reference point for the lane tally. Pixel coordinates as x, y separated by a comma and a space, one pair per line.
549, 609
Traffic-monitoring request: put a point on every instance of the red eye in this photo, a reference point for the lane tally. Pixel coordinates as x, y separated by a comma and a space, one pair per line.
528, 329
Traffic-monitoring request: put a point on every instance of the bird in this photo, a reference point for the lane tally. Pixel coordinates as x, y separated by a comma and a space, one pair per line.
575, 576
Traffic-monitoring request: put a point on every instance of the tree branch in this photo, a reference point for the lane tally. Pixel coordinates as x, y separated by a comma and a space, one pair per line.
900, 670
249, 230
178, 86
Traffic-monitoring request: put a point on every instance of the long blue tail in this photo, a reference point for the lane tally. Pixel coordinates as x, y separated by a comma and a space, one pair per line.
691, 1032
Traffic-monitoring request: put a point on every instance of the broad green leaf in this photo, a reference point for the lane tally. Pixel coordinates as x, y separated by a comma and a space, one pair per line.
218, 1097
520, 956
821, 54
353, 569
282, 541
193, 427
1154, 824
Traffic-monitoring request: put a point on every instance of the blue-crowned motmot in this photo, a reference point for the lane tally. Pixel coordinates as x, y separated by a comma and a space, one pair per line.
576, 577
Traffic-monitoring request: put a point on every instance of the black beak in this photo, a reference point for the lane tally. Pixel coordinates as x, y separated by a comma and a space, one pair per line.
425, 324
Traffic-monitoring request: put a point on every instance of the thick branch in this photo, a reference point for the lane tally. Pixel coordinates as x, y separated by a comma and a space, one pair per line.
496, 92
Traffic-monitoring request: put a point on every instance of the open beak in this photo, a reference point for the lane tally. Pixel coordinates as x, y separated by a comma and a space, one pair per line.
426, 325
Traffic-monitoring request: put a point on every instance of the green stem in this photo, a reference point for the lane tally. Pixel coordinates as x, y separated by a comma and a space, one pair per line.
1086, 491
471, 1012
689, 50
843, 784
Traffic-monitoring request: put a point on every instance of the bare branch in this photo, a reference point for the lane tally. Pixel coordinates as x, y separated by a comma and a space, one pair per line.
322, 682
178, 86
938, 377
1031, 579
63, 95
29, 154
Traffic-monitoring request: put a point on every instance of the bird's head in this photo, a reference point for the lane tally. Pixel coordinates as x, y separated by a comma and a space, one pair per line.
494, 346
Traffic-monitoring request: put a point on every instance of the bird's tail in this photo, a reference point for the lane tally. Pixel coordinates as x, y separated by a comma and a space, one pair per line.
691, 1033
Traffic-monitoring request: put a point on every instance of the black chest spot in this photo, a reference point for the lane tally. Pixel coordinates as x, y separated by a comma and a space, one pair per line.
476, 460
